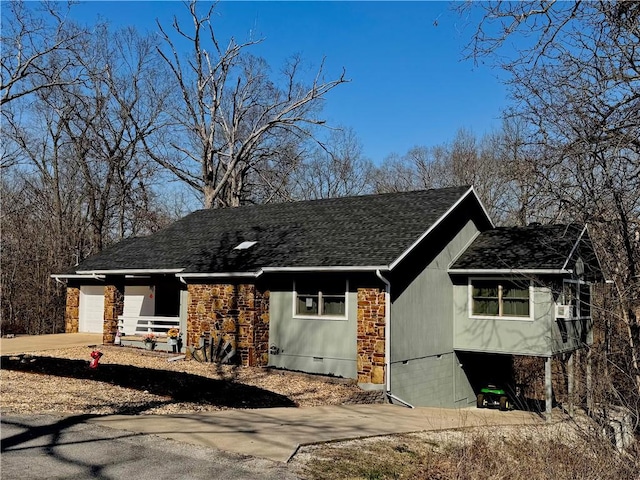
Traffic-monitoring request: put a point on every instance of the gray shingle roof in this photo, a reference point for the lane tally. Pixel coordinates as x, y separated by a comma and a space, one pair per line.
534, 247
370, 230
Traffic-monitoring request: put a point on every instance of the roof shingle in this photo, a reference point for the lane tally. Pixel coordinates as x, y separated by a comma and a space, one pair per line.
534, 247
370, 230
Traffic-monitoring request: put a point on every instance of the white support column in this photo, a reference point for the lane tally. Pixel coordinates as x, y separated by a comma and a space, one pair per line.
571, 381
589, 385
548, 389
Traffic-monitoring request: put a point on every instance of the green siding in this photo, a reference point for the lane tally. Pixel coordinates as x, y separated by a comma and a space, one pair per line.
543, 336
435, 381
508, 336
422, 314
312, 345
424, 368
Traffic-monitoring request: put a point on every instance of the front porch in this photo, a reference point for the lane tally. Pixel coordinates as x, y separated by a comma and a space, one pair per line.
233, 316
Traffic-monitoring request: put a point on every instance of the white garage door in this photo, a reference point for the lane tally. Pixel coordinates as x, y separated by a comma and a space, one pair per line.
91, 308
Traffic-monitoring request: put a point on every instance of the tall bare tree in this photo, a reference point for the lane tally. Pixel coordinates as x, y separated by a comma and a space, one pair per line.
105, 120
231, 115
421, 167
577, 84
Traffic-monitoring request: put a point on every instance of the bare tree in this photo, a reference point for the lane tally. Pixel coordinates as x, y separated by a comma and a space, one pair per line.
577, 85
337, 168
274, 178
231, 114
33, 45
421, 167
466, 160
104, 120
28, 299
80, 180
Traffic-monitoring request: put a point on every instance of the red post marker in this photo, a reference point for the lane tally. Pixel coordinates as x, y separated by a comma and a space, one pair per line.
95, 355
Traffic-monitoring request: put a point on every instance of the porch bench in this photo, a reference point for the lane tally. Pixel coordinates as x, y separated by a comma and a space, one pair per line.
141, 325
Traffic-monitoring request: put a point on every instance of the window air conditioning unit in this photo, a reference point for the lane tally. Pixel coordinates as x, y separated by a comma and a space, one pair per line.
564, 311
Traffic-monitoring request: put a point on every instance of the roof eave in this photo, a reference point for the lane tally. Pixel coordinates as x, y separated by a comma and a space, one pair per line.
72, 276
219, 274
310, 269
510, 271
131, 271
341, 268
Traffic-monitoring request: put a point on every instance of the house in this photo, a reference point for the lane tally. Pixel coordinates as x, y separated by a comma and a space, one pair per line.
410, 293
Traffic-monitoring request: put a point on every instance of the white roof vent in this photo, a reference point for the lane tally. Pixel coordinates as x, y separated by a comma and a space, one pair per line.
244, 245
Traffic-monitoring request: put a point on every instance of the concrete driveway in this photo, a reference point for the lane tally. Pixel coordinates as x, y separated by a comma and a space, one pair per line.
38, 343
67, 448
277, 433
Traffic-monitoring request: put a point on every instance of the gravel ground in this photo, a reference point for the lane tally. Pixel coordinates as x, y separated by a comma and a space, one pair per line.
134, 381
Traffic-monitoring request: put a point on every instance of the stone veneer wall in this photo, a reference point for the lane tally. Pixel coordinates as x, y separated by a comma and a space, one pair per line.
253, 331
371, 336
236, 313
113, 306
261, 328
72, 310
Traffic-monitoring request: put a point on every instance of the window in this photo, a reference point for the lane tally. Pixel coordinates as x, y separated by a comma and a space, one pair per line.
500, 298
578, 295
584, 303
320, 299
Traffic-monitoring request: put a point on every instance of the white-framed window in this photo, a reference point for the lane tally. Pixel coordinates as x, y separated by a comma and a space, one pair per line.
500, 298
577, 293
320, 299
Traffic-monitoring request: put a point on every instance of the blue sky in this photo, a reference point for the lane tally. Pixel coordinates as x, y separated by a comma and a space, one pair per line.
409, 85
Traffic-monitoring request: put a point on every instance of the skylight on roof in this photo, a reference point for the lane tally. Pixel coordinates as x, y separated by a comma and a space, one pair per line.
244, 245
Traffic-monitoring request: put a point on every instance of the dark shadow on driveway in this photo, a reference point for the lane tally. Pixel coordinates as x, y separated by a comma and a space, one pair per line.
31, 432
181, 387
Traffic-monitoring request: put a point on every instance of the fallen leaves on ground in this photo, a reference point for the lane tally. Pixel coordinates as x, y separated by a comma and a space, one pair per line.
130, 380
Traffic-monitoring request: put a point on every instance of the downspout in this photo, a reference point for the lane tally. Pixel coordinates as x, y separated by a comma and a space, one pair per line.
387, 339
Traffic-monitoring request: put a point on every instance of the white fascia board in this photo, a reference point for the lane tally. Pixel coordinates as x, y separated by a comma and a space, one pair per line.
133, 271
438, 222
75, 275
281, 270
510, 271
219, 274
483, 207
366, 268
575, 246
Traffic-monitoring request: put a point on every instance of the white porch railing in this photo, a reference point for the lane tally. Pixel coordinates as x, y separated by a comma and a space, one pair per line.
142, 324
